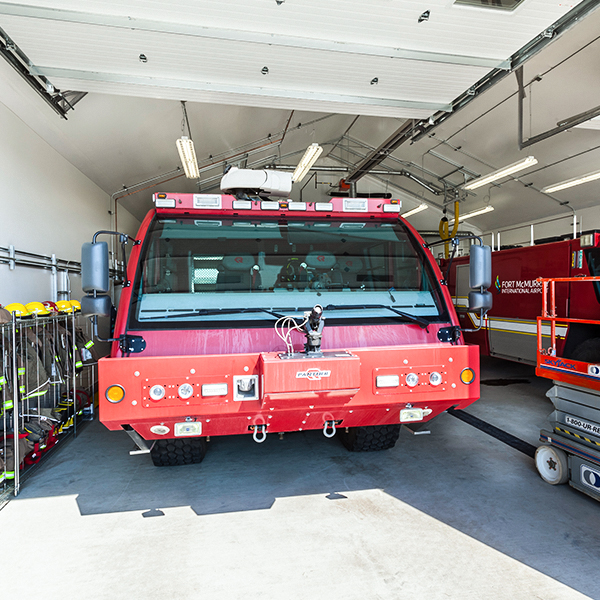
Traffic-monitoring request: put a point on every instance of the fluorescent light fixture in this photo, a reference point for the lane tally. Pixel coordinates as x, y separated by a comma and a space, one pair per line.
563, 185
308, 160
416, 210
474, 213
187, 154
500, 173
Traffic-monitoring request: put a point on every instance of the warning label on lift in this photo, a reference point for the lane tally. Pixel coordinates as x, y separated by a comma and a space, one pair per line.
583, 425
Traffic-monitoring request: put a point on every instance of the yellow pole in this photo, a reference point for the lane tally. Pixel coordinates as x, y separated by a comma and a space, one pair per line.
444, 229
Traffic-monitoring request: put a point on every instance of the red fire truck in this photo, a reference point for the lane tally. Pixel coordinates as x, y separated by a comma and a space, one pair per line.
510, 329
243, 314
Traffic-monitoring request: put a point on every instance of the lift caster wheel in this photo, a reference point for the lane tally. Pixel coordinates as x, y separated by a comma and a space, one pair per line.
551, 464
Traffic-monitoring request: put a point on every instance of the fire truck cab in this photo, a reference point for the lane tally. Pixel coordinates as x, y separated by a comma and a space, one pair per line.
244, 314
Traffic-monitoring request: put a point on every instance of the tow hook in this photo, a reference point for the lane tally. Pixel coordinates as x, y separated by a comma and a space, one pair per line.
329, 429
259, 434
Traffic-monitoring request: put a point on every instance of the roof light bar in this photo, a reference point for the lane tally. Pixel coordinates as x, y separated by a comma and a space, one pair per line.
323, 206
500, 173
187, 154
269, 205
474, 213
207, 201
164, 202
356, 205
563, 185
297, 206
416, 210
242, 205
308, 160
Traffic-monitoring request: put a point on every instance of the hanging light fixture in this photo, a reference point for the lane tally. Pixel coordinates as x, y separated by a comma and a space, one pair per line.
416, 210
185, 147
563, 185
308, 160
500, 173
187, 154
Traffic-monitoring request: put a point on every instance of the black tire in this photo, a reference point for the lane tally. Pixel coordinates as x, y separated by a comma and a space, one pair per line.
588, 351
175, 452
370, 439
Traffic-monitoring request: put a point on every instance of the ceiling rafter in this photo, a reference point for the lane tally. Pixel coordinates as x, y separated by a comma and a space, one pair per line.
240, 90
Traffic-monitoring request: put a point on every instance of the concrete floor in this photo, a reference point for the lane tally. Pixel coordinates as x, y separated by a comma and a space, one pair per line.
454, 514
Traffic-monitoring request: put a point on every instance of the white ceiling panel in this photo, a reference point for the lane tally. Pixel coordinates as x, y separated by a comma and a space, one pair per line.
322, 57
451, 28
328, 53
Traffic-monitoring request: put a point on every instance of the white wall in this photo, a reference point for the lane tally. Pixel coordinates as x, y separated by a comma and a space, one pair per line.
47, 206
588, 218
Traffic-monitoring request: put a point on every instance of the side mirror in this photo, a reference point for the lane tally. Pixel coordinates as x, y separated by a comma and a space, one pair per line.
95, 280
96, 306
478, 301
480, 267
94, 268
480, 279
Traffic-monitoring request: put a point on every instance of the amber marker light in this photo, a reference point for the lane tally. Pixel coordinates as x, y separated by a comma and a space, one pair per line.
115, 393
467, 376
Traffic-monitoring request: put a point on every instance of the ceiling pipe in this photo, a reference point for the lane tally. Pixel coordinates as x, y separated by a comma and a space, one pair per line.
402, 173
393, 185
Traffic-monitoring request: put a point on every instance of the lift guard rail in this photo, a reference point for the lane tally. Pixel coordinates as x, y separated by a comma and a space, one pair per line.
549, 364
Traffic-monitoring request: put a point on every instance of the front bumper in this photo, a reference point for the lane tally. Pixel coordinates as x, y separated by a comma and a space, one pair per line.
290, 395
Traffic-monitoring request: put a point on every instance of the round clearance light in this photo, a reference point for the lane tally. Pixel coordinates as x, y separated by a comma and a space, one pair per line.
435, 378
159, 429
412, 379
467, 376
115, 393
157, 392
185, 391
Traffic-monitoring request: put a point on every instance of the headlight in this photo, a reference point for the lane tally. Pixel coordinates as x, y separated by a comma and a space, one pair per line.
435, 378
157, 392
185, 391
412, 379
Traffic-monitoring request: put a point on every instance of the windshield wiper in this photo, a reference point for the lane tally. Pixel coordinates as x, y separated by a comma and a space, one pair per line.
202, 312
420, 321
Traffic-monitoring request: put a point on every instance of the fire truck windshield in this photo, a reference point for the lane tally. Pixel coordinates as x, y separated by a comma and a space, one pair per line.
214, 272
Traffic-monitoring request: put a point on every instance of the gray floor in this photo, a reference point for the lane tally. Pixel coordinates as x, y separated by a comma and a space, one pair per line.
455, 514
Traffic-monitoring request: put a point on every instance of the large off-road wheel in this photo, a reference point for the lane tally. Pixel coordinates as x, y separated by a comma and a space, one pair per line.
588, 351
370, 439
181, 451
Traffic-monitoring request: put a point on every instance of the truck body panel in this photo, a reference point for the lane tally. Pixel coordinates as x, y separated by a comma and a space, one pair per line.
210, 286
510, 328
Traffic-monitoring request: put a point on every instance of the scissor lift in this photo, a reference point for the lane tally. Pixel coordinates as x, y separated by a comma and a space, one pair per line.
571, 449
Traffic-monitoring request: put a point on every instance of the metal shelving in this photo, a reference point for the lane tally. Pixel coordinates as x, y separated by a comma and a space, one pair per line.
47, 386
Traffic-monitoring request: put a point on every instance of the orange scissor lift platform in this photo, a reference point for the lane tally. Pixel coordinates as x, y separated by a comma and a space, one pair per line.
571, 450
